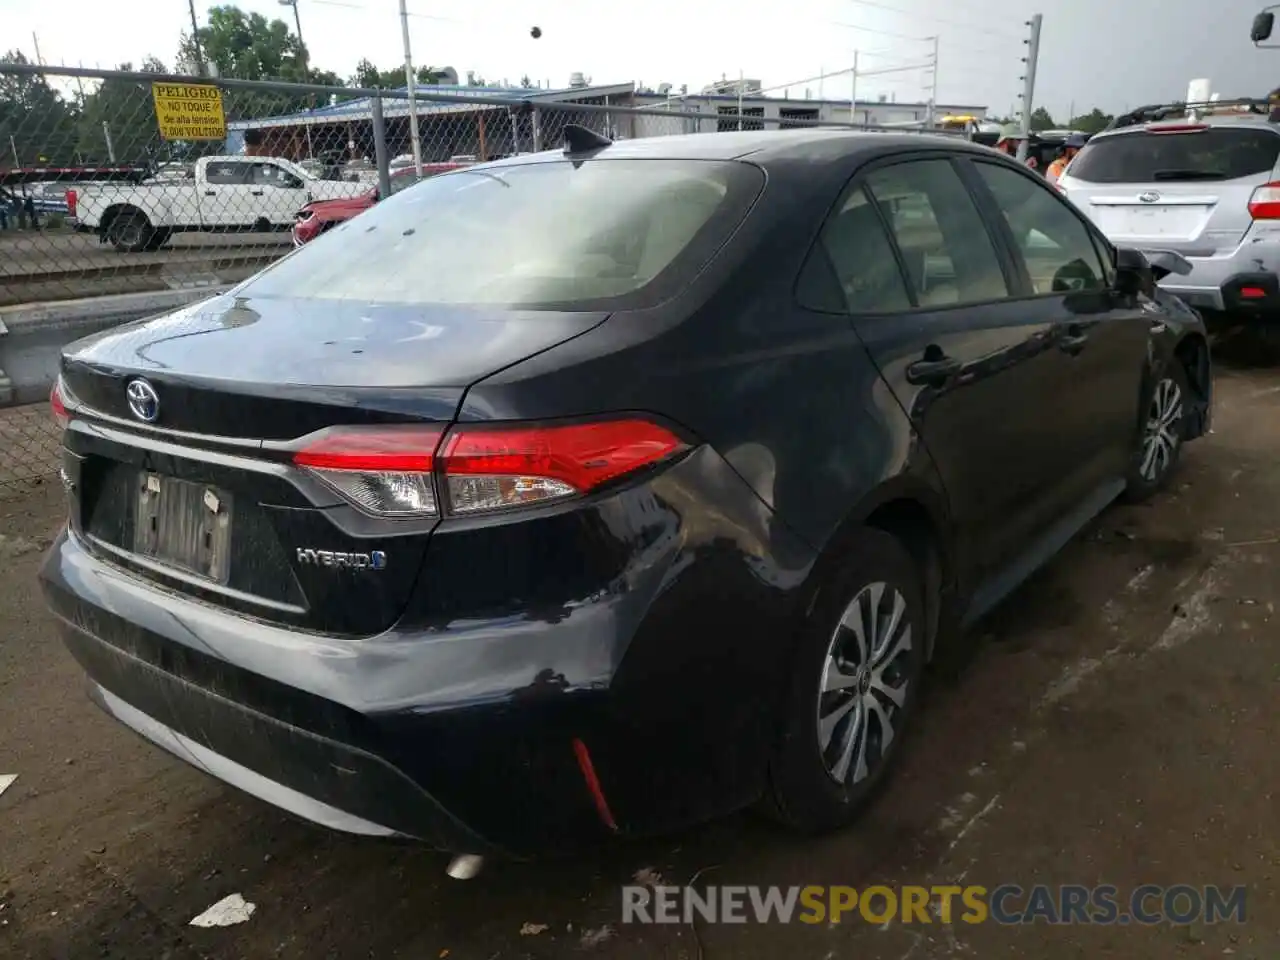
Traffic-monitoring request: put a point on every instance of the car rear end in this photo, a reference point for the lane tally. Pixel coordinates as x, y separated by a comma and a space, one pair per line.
1209, 190
304, 556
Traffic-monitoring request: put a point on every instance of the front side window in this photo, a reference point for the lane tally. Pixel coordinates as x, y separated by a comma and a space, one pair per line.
600, 234
270, 175
1057, 247
949, 255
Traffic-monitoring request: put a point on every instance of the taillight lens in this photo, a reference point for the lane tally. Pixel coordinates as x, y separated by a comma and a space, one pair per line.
386, 471
1265, 202
72, 198
488, 469
58, 404
390, 471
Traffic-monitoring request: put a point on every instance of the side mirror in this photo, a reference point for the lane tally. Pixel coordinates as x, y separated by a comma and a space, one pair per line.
1263, 24
1133, 273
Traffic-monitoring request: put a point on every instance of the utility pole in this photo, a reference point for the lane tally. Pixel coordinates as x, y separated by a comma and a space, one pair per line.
36, 42
933, 92
739, 98
195, 39
408, 82
297, 22
853, 92
1029, 83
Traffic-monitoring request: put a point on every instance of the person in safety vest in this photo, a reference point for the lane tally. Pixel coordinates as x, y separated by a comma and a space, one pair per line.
1069, 150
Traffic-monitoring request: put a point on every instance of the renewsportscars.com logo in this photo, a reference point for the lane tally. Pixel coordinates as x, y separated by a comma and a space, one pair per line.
1148, 904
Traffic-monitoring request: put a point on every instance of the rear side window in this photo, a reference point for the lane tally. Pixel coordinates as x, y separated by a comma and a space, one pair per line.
862, 258
225, 172
600, 234
948, 253
1211, 153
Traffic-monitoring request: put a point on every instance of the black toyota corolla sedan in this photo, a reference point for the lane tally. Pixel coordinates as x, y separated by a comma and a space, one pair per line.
604, 490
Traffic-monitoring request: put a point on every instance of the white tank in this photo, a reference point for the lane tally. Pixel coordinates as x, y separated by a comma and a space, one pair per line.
1199, 91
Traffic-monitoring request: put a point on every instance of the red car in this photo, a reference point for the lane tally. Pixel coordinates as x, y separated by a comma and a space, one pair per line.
320, 215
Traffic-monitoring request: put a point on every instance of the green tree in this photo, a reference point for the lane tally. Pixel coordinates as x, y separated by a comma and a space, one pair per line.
1041, 119
40, 122
127, 110
1092, 122
246, 46
368, 75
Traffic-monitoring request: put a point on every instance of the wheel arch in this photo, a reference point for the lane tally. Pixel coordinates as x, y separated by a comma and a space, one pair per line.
1192, 352
915, 513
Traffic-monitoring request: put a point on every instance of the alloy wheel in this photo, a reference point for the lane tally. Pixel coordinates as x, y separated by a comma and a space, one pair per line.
1162, 435
864, 684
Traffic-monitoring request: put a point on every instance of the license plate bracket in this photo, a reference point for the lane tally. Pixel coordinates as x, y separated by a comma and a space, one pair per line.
185, 525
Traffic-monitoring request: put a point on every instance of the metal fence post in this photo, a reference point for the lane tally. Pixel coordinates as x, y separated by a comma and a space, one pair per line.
537, 130
380, 147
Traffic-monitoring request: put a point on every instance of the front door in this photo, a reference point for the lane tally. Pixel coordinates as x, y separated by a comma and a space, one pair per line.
1104, 336
935, 300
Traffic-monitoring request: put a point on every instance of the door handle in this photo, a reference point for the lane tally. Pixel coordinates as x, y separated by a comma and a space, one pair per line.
933, 371
211, 193
256, 193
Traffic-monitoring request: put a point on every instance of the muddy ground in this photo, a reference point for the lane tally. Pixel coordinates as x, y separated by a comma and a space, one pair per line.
1115, 722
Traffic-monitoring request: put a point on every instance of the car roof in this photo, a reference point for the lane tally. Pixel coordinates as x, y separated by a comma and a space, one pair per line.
1244, 121
761, 146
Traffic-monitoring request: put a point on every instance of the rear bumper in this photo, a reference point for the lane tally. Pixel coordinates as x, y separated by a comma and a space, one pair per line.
466, 734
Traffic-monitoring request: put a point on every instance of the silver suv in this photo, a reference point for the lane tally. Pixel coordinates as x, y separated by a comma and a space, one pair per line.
1207, 188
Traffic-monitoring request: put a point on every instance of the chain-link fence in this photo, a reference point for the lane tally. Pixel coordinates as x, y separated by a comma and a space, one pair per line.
29, 444
129, 182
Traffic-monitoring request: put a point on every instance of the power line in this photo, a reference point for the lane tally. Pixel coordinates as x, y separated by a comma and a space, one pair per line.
916, 14
882, 33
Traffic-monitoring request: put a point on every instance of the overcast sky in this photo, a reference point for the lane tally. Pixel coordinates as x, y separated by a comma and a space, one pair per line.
1106, 53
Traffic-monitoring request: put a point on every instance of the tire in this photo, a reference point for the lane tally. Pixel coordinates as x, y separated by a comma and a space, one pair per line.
159, 238
820, 781
1163, 429
130, 232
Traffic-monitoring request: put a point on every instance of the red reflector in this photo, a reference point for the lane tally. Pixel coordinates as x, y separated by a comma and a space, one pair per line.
407, 449
593, 784
72, 197
1252, 293
58, 405
582, 455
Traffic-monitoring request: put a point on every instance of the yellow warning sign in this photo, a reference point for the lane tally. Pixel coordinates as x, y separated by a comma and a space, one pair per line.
189, 111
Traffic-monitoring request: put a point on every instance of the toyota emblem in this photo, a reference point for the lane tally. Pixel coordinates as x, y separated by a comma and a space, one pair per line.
1149, 197
143, 400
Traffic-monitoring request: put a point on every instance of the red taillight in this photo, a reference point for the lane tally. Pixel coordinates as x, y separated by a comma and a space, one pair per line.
58, 405
72, 197
1265, 202
1253, 293
389, 471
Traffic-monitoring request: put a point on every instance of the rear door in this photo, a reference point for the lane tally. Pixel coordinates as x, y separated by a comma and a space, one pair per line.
1103, 337
225, 194
934, 298
1183, 187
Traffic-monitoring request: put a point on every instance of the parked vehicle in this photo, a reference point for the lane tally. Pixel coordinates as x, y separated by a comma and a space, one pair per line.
602, 491
1207, 187
321, 215
226, 194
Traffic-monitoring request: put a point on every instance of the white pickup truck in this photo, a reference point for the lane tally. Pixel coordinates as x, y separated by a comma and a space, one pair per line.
223, 194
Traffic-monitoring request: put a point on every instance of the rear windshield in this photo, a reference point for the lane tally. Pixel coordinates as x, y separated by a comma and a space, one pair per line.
1214, 153
601, 234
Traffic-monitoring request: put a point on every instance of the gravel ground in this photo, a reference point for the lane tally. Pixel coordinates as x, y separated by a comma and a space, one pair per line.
1114, 722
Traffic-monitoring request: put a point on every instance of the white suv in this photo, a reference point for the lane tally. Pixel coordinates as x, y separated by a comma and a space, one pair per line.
1208, 189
